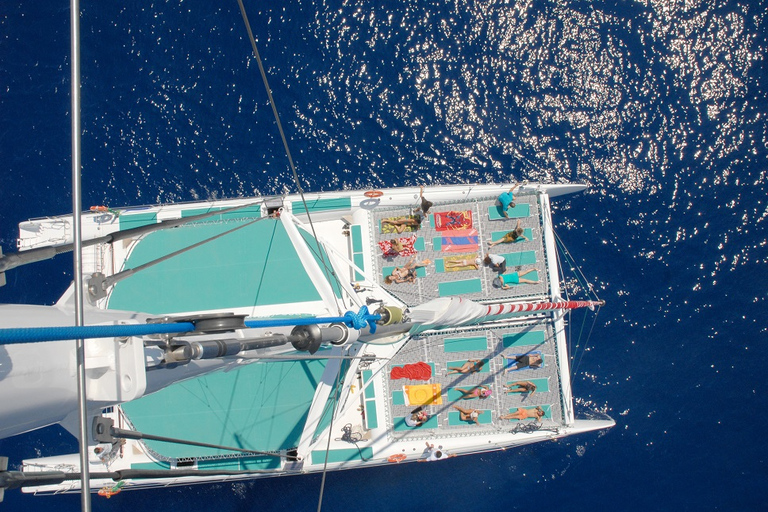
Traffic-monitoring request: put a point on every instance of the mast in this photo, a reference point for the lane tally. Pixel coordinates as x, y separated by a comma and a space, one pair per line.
74, 15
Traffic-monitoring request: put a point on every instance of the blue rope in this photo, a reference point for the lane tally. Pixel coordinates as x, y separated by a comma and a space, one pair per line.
40, 334
357, 320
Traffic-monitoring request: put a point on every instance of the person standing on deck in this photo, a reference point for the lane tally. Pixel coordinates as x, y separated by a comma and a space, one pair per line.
424, 204
433, 453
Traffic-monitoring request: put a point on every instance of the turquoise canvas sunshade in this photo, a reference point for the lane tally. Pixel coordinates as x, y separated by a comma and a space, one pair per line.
253, 266
261, 406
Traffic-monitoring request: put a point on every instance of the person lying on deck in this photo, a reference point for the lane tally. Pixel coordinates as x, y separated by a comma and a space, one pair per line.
462, 263
406, 273
524, 361
521, 386
510, 237
397, 246
417, 417
471, 366
481, 391
468, 414
521, 414
516, 278
400, 223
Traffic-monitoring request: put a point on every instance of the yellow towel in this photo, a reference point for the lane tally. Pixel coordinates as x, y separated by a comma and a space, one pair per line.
423, 394
469, 257
389, 228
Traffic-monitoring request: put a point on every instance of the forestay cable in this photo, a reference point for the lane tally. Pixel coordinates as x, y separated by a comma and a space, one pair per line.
330, 270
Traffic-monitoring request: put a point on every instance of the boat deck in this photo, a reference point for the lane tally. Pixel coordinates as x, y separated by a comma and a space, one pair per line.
460, 231
443, 351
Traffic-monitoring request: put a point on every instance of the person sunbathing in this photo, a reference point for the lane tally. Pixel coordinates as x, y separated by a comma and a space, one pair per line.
397, 245
521, 386
468, 414
510, 237
462, 263
417, 417
400, 223
471, 366
516, 278
525, 361
522, 414
406, 273
481, 391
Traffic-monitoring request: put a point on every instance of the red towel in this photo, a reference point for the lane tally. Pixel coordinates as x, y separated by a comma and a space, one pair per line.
415, 371
445, 221
408, 249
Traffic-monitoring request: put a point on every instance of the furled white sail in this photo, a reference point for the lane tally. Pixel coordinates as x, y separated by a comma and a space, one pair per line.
456, 311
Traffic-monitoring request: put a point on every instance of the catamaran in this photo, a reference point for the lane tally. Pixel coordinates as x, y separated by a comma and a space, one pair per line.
258, 337
247, 338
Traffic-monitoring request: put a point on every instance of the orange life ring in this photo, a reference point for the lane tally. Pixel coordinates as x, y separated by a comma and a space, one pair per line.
398, 457
374, 193
99, 209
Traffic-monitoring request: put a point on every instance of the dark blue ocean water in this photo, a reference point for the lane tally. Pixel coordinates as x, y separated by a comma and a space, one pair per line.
660, 105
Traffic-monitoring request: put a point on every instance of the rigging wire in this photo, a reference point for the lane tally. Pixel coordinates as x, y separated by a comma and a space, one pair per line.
589, 335
567, 297
330, 429
580, 277
329, 271
584, 283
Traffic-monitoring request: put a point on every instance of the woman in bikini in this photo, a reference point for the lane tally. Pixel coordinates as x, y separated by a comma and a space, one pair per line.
525, 361
471, 366
406, 273
468, 414
401, 223
397, 246
521, 414
511, 237
462, 263
521, 386
481, 391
